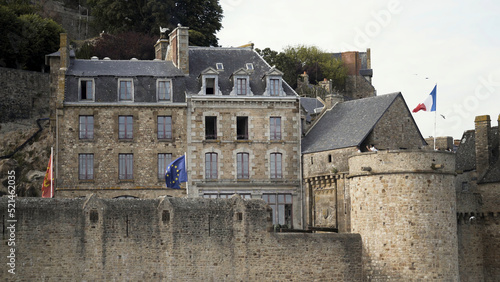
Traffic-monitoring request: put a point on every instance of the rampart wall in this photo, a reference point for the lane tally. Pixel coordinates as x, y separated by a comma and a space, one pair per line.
23, 94
169, 239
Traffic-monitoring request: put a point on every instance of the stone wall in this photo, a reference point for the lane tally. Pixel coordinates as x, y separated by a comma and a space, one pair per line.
145, 147
23, 95
403, 204
358, 87
168, 239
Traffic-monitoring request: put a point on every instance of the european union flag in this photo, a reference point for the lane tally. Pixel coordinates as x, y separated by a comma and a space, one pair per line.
176, 173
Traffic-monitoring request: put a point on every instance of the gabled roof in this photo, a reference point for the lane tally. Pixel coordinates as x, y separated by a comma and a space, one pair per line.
347, 124
309, 104
233, 59
466, 152
123, 68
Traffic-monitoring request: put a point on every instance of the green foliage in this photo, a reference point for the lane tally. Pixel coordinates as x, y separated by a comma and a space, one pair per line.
318, 64
26, 39
122, 46
203, 17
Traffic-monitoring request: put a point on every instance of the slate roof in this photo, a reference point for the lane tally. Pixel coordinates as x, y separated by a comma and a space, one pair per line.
466, 152
233, 59
466, 155
123, 68
309, 104
347, 124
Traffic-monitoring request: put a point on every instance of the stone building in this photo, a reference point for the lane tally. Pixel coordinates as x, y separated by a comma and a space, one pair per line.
120, 123
478, 200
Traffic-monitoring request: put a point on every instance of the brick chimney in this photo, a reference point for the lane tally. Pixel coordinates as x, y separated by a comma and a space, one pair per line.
483, 144
161, 45
178, 50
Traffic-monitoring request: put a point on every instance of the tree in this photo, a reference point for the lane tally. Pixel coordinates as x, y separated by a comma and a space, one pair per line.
26, 39
123, 46
318, 64
203, 17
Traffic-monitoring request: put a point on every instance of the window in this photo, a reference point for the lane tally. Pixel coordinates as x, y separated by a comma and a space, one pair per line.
210, 86
276, 162
126, 166
163, 89
125, 127
242, 165
164, 127
242, 128
86, 127
211, 166
125, 89
275, 126
274, 87
241, 86
219, 66
86, 166
249, 66
163, 161
210, 128
226, 195
86, 89
281, 205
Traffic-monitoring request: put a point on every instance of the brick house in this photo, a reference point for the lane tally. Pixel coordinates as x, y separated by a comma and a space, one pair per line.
119, 123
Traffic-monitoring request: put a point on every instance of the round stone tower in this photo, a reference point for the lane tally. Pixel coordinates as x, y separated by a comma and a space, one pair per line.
403, 204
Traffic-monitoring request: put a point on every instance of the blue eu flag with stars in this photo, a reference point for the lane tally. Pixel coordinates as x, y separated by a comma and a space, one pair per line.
176, 173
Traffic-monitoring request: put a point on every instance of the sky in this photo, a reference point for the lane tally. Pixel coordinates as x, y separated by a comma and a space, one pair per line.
414, 46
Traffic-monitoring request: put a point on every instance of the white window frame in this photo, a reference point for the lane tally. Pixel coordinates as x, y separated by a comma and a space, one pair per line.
158, 81
120, 80
80, 89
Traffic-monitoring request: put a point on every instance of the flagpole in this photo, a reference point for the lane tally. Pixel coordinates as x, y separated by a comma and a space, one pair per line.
186, 165
435, 119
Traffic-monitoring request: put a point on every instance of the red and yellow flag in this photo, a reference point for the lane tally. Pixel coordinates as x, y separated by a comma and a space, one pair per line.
48, 186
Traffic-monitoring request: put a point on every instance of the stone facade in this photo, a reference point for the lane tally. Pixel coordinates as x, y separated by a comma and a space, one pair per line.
23, 95
404, 207
169, 239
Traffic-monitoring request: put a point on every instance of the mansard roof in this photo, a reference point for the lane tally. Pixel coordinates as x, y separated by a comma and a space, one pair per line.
347, 124
123, 68
233, 59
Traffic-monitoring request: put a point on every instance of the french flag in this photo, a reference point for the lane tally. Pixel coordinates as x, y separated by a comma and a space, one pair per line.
429, 105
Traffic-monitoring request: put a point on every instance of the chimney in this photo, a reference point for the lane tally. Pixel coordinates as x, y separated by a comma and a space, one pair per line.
368, 58
483, 146
161, 45
332, 99
63, 67
178, 50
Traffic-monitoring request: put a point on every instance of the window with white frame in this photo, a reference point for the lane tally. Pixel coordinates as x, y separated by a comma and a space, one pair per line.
125, 127
86, 90
86, 166
210, 86
276, 165
164, 127
242, 165
163, 90
211, 165
241, 86
125, 166
275, 128
164, 160
281, 206
86, 127
125, 89
274, 84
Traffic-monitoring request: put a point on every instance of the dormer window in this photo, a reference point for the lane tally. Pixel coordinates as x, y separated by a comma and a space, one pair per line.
163, 90
219, 66
125, 90
274, 83
241, 80
86, 89
209, 82
249, 66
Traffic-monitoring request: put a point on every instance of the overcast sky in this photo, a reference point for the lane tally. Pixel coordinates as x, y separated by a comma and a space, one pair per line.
414, 45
